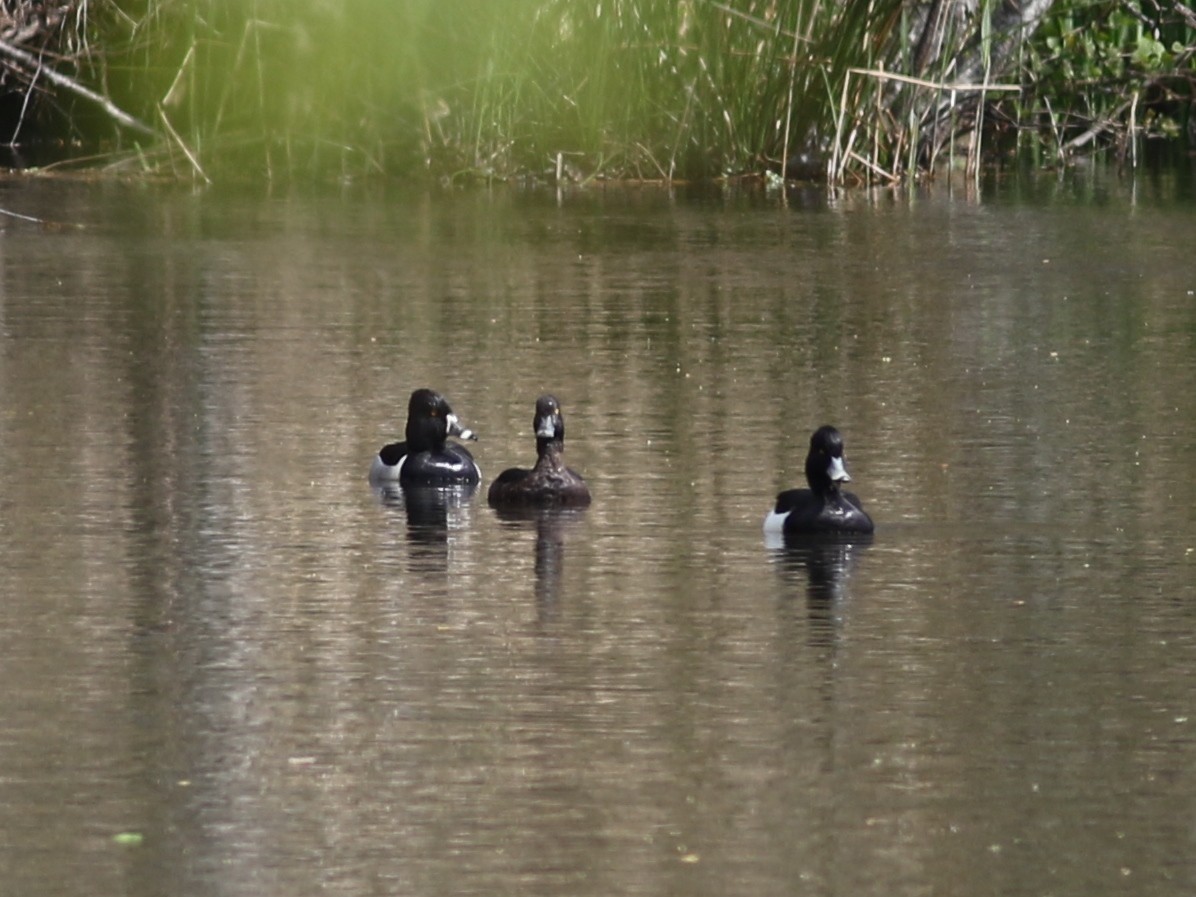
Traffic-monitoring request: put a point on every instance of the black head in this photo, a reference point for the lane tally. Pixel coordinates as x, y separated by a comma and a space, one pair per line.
549, 424
824, 463
430, 421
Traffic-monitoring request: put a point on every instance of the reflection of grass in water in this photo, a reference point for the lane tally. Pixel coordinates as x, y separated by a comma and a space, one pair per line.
458, 89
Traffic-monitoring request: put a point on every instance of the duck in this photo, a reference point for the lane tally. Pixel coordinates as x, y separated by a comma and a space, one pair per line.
824, 508
425, 457
550, 484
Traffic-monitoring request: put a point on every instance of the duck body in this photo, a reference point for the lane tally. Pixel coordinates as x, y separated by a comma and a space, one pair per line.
425, 457
803, 511
396, 463
824, 508
550, 484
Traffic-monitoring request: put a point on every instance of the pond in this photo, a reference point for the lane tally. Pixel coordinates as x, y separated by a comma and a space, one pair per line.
232, 668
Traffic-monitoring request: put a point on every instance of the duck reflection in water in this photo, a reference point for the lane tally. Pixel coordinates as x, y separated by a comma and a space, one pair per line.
431, 513
551, 526
819, 566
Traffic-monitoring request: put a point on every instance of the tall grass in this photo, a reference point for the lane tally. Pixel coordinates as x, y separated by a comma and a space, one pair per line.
573, 89
476, 88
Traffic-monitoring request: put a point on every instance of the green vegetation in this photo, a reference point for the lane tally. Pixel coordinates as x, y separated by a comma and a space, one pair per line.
652, 89
1112, 74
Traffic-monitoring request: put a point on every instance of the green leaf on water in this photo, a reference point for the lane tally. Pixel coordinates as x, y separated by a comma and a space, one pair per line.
128, 839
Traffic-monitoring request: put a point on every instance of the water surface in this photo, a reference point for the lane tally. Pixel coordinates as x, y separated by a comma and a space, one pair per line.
216, 637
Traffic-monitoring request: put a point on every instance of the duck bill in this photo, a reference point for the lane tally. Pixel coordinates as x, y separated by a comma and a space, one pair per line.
455, 429
837, 472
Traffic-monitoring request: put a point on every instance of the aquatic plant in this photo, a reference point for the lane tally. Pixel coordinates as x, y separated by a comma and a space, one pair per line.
1111, 73
572, 90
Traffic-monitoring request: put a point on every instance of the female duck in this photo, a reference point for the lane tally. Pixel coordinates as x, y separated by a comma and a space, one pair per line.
426, 458
823, 508
550, 484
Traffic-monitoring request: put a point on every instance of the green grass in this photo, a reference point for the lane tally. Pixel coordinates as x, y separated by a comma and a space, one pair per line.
464, 90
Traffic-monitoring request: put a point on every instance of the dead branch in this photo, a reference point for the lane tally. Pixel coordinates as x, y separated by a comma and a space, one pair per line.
68, 83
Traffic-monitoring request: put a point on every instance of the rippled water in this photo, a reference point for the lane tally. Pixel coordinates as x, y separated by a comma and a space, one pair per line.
232, 668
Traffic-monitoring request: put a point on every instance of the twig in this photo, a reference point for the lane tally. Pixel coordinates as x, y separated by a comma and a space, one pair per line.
1188, 15
837, 160
22, 217
182, 146
848, 152
1056, 132
937, 85
852, 154
75, 87
16, 133
758, 22
1108, 123
789, 108
689, 98
1133, 130
973, 163
667, 176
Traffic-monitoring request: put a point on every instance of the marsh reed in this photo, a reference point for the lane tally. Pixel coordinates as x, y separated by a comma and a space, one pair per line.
546, 90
